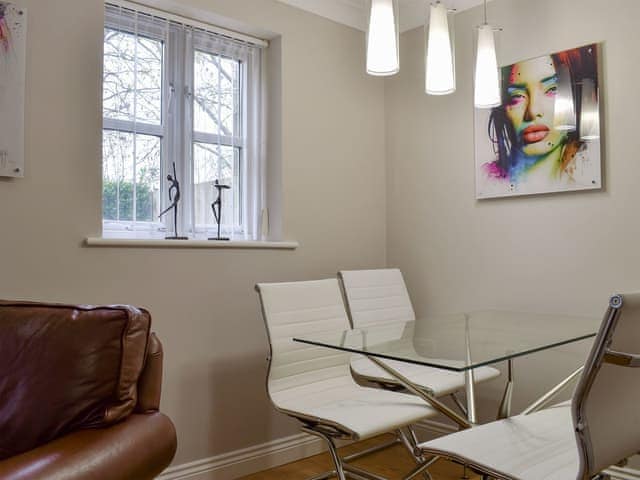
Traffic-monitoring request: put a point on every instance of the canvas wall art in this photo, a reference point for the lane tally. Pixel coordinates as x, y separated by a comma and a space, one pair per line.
13, 29
545, 136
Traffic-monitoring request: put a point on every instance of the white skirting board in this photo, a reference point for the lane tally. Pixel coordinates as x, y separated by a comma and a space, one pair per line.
233, 465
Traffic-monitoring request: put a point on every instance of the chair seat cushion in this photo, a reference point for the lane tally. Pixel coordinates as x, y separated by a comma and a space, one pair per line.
539, 446
360, 411
440, 382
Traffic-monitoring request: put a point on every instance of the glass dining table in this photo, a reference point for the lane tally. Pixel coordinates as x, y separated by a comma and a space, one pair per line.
461, 343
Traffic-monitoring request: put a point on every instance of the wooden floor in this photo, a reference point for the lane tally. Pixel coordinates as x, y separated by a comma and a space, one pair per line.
392, 463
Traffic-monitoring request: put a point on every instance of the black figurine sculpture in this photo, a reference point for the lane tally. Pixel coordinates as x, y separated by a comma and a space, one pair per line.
217, 207
174, 198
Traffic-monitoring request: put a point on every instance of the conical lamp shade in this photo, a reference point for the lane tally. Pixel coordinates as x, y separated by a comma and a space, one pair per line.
382, 38
487, 81
564, 112
590, 113
440, 71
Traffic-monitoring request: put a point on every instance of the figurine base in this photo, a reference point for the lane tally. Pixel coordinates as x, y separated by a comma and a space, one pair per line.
176, 238
219, 238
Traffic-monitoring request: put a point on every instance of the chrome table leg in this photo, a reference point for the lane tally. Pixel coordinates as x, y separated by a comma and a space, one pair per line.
469, 378
430, 399
504, 411
551, 394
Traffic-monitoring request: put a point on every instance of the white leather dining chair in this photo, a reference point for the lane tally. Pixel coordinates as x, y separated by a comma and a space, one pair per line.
578, 440
314, 384
380, 297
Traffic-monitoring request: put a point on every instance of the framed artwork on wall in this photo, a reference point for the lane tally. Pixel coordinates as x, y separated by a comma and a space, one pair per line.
13, 32
545, 136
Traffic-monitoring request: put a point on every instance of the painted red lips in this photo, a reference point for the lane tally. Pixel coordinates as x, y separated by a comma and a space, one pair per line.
534, 133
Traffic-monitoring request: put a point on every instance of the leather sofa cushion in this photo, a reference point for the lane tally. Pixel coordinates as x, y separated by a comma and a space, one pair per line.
64, 368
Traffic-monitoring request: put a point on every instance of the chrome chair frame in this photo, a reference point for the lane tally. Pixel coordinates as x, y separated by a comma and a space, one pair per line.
591, 464
329, 433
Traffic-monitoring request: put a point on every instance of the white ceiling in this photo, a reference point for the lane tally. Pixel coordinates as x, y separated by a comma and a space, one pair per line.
353, 13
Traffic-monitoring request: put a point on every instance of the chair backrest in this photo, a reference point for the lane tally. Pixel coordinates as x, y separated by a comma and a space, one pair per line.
605, 404
293, 310
376, 296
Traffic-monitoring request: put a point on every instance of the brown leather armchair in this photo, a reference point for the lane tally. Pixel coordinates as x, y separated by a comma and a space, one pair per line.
79, 394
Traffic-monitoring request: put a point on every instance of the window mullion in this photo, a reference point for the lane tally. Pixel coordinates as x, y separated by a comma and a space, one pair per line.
186, 131
134, 180
171, 111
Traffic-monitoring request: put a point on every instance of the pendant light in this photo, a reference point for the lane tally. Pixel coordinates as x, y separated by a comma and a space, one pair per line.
382, 38
487, 80
440, 77
564, 112
590, 111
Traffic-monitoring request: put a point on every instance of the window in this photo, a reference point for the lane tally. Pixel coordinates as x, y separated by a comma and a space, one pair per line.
179, 97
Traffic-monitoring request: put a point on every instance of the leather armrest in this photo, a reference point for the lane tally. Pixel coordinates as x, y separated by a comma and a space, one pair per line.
150, 382
138, 448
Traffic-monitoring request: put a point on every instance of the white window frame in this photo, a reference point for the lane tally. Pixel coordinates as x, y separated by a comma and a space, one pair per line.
177, 130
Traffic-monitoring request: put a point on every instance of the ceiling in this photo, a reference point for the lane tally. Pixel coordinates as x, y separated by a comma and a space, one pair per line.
353, 13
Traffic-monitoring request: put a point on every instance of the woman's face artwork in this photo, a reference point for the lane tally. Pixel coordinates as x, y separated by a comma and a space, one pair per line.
4, 29
531, 93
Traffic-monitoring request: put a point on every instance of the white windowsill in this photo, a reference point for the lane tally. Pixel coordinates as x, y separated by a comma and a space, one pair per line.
161, 243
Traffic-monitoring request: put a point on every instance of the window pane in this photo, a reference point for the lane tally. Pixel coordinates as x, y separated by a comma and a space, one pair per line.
217, 94
125, 157
132, 78
147, 178
211, 163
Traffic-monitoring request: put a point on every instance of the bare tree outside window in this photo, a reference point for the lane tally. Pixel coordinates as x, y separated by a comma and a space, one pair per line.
132, 94
216, 116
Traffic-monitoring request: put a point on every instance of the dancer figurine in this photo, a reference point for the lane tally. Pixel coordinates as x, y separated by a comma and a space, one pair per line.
174, 198
217, 207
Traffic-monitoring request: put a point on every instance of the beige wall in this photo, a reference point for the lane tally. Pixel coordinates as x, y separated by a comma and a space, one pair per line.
561, 253
203, 303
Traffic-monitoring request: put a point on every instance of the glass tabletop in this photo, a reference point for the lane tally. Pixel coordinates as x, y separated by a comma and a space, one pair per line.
459, 342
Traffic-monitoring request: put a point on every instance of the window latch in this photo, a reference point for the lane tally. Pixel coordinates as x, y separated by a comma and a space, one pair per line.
172, 91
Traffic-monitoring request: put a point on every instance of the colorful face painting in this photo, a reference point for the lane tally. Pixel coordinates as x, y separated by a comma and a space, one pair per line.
5, 34
545, 136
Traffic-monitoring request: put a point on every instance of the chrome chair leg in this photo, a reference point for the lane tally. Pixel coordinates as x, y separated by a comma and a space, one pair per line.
413, 437
421, 469
459, 404
407, 443
335, 458
377, 448
339, 471
417, 453
411, 444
